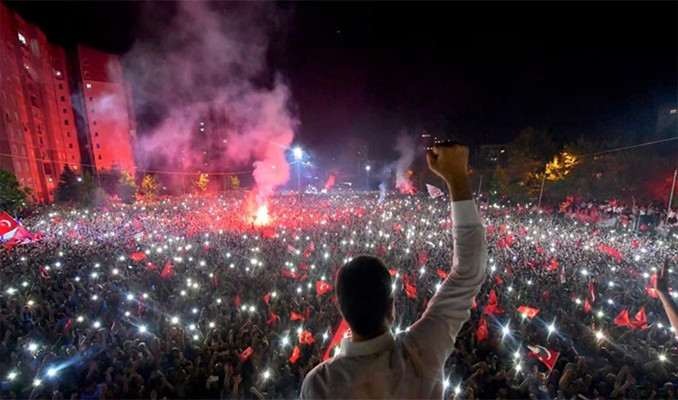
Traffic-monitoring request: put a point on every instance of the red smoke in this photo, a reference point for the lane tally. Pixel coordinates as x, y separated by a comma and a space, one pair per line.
329, 183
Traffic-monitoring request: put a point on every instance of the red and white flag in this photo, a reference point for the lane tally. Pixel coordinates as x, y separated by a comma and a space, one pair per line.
546, 356
322, 287
433, 191
529, 312
7, 223
342, 330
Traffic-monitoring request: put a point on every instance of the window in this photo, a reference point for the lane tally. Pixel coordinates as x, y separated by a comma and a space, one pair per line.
65, 122
90, 98
22, 38
63, 98
89, 85
70, 145
96, 134
87, 76
61, 86
94, 123
68, 134
99, 156
98, 146
72, 157
58, 74
65, 111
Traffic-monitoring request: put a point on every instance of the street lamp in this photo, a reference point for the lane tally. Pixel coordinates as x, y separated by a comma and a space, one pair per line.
367, 169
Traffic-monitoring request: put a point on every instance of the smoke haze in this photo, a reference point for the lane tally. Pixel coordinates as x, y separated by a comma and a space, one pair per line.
200, 74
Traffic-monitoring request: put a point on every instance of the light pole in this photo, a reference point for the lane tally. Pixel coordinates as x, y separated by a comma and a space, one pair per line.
367, 169
298, 155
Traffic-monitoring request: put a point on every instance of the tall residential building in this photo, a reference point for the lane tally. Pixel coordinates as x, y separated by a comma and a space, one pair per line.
106, 116
37, 130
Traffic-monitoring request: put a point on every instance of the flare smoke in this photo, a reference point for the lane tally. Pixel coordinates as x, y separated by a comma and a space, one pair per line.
405, 148
195, 76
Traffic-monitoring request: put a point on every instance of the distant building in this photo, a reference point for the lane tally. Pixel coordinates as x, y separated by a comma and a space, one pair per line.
489, 156
37, 131
106, 111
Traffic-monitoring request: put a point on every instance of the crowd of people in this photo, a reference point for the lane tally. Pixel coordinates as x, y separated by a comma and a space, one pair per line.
190, 298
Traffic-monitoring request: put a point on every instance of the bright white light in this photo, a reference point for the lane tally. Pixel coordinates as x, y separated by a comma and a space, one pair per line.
80, 319
599, 335
191, 327
662, 357
446, 383
11, 376
516, 354
600, 313
143, 329
584, 272
267, 374
37, 382
175, 320
285, 341
97, 325
457, 389
610, 301
298, 153
552, 328
130, 296
505, 330
32, 347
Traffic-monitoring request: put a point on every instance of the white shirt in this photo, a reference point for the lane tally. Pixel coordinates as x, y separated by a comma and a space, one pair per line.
410, 365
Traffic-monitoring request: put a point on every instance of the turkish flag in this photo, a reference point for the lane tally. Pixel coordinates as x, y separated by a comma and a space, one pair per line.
267, 297
138, 256
442, 274
294, 317
587, 306
482, 333
245, 355
7, 223
303, 267
306, 337
523, 231
490, 229
635, 243
493, 297
423, 257
237, 301
289, 274
546, 356
540, 250
342, 331
381, 251
151, 267
272, 318
216, 280
322, 287
529, 312
592, 291
498, 280
622, 319
393, 272
43, 273
652, 292
309, 249
502, 229
640, 319
411, 291
296, 353
167, 271
554, 265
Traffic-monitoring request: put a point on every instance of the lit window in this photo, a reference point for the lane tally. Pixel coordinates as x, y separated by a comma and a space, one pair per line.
58, 74
89, 86
673, 111
22, 39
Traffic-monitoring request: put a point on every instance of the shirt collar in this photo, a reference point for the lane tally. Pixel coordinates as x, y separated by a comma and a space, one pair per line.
376, 345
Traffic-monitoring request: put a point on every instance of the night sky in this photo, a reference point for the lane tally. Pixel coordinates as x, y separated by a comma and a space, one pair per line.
480, 71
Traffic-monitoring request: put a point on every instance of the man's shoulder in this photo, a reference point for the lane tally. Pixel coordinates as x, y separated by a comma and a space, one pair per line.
317, 382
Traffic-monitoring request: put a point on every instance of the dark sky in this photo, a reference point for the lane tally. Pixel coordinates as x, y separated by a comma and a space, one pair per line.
483, 70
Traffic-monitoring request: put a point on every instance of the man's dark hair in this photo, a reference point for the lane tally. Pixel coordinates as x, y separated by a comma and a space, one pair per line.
363, 293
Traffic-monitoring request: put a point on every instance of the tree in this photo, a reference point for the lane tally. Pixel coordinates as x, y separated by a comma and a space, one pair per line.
12, 195
67, 190
126, 187
235, 182
202, 182
87, 190
110, 180
149, 187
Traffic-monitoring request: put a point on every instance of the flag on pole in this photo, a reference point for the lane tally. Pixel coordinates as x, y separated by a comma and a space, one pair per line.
529, 312
322, 287
7, 224
342, 331
296, 353
433, 191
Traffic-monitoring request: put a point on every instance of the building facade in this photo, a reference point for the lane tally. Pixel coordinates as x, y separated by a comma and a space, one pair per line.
106, 117
37, 132
59, 109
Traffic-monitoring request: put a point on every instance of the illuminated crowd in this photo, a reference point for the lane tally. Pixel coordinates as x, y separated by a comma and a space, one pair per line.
190, 298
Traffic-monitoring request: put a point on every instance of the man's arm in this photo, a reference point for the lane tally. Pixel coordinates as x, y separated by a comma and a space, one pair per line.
662, 286
449, 308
